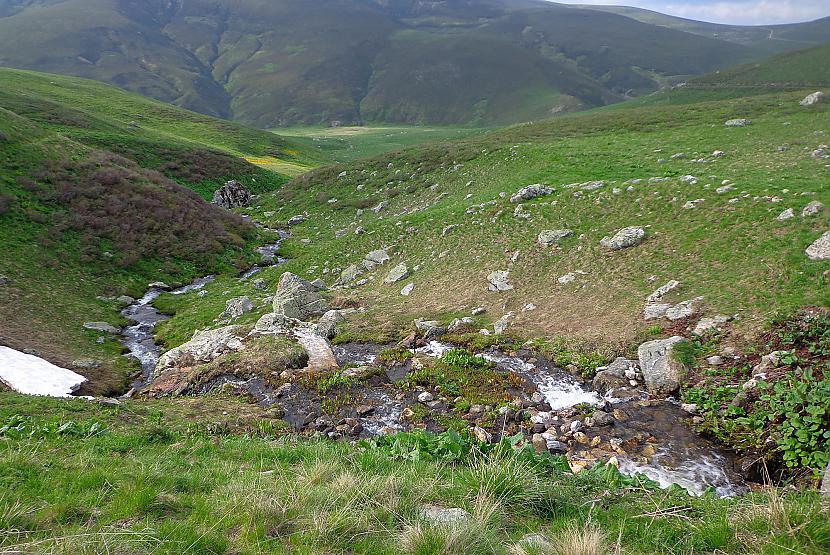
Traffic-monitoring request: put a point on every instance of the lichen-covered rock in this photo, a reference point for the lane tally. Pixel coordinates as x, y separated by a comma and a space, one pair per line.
232, 195
297, 298
531, 192
327, 326
550, 237
379, 256
624, 238
499, 281
235, 308
274, 323
204, 347
813, 98
661, 372
738, 122
396, 274
820, 249
812, 209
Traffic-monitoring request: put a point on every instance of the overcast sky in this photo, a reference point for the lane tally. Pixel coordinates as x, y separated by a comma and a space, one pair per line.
744, 12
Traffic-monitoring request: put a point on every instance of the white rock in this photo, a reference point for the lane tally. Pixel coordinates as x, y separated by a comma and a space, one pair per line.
813, 99
499, 281
813, 208
663, 290
820, 249
786, 215
624, 238
407, 289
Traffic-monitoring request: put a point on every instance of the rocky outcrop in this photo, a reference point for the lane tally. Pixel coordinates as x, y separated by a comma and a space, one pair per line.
297, 298
661, 372
232, 195
820, 249
396, 274
624, 238
202, 348
531, 192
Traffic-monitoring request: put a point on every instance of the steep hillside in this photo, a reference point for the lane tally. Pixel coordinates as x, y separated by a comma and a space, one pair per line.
101, 192
285, 62
768, 38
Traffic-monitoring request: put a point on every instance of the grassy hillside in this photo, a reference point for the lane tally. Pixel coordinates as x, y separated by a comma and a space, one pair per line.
730, 249
216, 476
103, 192
283, 63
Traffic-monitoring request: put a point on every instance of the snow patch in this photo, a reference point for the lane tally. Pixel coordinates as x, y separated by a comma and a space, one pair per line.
34, 376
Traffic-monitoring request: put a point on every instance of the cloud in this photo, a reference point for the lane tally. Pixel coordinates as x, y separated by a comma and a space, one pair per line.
744, 12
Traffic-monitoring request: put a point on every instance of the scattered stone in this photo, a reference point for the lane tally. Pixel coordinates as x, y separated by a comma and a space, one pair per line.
478, 311
550, 237
724, 189
319, 284
359, 230
655, 311
531, 192
498, 281
441, 515
407, 289
350, 274
425, 397
232, 195
567, 278
688, 179
706, 325
296, 220
4, 280
624, 238
663, 290
600, 418
739, 122
396, 274
482, 435
449, 229
714, 360
340, 233
430, 329
812, 209
297, 298
690, 408
501, 325
786, 215
381, 206
234, 308
820, 249
813, 99
379, 256
102, 326
692, 204
661, 372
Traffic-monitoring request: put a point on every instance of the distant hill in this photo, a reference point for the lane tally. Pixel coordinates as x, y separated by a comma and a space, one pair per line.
279, 62
769, 38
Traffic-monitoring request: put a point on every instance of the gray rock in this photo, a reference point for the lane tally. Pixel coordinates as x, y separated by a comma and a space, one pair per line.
204, 347
4, 280
661, 372
825, 481
499, 281
234, 308
449, 229
380, 207
274, 323
327, 326
379, 256
407, 289
813, 99
662, 291
86, 364
706, 325
396, 274
531, 192
441, 515
319, 284
232, 195
350, 274
125, 300
425, 397
501, 325
260, 284
296, 220
786, 215
430, 329
102, 326
655, 311
624, 238
820, 249
340, 233
550, 237
297, 298
683, 309
601, 418
812, 209
739, 122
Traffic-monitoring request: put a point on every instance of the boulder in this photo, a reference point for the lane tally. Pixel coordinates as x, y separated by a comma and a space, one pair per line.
624, 238
813, 99
812, 209
274, 323
296, 220
232, 195
655, 311
661, 372
327, 326
102, 326
396, 274
738, 122
499, 281
297, 298
204, 347
379, 256
820, 249
531, 192
235, 308
550, 237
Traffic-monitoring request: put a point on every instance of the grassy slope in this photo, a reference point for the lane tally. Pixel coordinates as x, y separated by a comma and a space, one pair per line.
211, 475
56, 276
736, 255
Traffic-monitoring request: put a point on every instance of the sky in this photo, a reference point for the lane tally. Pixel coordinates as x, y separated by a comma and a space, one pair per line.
743, 12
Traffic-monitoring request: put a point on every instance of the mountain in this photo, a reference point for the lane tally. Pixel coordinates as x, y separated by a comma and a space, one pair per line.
766, 38
270, 63
102, 192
